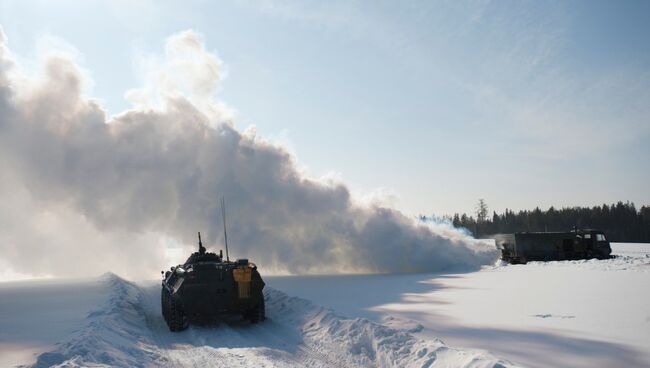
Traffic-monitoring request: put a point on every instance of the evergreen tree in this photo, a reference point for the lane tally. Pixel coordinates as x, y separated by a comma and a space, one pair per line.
621, 222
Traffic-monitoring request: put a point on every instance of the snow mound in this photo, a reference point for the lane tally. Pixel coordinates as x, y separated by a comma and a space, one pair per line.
400, 323
115, 334
127, 330
361, 342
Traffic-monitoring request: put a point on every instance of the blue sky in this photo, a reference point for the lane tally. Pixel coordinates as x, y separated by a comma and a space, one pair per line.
520, 103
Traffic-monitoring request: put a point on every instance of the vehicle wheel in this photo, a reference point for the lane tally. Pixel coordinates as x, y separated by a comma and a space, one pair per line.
164, 295
258, 314
173, 313
177, 318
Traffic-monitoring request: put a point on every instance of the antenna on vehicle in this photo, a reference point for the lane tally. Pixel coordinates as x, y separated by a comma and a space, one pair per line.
225, 234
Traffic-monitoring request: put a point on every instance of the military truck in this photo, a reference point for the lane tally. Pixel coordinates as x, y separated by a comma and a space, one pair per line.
553, 246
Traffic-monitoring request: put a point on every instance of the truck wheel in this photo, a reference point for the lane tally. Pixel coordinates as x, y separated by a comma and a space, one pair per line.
164, 295
258, 314
173, 313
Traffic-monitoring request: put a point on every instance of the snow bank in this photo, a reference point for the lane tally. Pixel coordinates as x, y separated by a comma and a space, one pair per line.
126, 332
361, 342
36, 314
115, 334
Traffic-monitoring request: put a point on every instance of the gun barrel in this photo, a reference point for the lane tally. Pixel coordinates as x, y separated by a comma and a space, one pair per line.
201, 249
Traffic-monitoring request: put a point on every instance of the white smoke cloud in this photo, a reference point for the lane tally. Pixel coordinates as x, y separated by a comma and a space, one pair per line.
84, 193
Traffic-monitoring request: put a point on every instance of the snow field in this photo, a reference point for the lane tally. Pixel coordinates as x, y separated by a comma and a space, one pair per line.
127, 330
561, 314
589, 313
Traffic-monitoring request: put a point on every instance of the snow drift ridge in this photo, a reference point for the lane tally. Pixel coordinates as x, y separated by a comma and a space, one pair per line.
115, 335
124, 332
360, 342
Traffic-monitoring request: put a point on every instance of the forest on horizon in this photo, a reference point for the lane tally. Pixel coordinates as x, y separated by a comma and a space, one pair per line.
621, 222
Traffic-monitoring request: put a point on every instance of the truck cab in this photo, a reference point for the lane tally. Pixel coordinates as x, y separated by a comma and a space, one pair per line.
595, 243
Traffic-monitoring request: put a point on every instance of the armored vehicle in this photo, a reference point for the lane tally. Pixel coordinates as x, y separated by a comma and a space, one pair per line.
553, 246
206, 286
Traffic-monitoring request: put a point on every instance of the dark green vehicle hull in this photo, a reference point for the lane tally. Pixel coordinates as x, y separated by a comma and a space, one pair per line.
205, 288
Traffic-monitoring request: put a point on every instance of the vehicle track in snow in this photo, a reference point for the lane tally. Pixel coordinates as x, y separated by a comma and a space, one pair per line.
234, 342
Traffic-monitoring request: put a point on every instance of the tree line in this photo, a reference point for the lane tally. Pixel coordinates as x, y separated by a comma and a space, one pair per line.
621, 222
